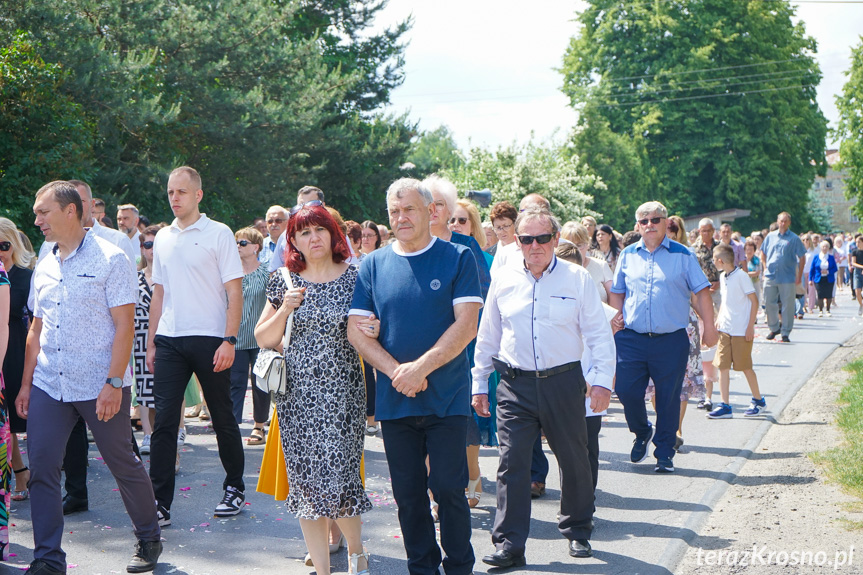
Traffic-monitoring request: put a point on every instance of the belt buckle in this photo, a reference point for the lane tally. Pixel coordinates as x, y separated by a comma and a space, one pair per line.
538, 375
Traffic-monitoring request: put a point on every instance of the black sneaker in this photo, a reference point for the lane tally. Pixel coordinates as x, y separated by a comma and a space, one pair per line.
785, 339
41, 567
146, 556
664, 466
164, 515
232, 503
640, 446
772, 335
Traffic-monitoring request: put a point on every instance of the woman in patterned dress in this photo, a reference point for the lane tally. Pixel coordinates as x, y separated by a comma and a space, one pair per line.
5, 470
322, 415
143, 377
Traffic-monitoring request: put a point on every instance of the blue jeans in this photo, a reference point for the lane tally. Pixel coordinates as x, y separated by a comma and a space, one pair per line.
662, 358
407, 441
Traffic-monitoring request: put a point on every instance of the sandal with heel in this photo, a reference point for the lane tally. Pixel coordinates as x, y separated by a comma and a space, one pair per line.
24, 494
353, 563
473, 496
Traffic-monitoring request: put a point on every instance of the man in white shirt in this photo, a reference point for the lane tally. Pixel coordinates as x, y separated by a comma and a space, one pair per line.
127, 222
512, 252
277, 222
538, 318
195, 315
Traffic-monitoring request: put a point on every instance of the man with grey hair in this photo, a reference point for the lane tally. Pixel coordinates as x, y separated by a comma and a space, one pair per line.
426, 293
653, 282
539, 318
127, 222
783, 258
512, 252
277, 223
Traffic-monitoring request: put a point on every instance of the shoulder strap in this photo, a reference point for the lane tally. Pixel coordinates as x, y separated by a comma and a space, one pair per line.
286, 275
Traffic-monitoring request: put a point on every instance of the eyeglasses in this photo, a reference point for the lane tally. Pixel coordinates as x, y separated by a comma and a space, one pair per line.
299, 207
147, 245
653, 221
501, 229
276, 221
461, 221
243, 243
370, 236
541, 239
5, 246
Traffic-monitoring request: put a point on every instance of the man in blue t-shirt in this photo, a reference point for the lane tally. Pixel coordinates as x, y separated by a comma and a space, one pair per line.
427, 296
784, 257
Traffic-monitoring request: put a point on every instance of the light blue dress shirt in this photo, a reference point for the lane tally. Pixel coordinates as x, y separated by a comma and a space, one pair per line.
657, 286
780, 256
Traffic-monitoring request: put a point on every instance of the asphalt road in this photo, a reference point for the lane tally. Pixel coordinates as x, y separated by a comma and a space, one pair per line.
643, 520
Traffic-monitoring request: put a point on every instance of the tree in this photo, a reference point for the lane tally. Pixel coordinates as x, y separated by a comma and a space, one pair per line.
261, 96
434, 151
820, 213
719, 95
44, 134
516, 171
850, 128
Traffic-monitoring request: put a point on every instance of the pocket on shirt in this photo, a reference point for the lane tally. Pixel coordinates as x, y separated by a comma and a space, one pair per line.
561, 310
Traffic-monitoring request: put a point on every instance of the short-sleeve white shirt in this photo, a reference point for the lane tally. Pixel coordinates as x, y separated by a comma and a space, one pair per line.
193, 265
736, 306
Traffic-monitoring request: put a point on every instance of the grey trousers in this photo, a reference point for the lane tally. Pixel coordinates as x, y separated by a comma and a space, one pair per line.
555, 404
775, 295
49, 424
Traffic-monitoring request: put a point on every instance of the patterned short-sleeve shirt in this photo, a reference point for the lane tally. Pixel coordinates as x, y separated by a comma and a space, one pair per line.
73, 298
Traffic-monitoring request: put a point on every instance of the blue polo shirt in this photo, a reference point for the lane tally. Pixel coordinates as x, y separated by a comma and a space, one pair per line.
657, 286
413, 295
780, 256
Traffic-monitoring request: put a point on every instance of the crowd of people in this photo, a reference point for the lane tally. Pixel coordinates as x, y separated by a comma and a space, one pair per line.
531, 327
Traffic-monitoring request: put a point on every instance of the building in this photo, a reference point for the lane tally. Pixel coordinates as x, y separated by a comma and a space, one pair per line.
830, 190
718, 217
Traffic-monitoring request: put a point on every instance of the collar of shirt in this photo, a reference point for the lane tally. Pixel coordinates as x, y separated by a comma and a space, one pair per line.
88, 233
398, 249
200, 224
665, 243
547, 270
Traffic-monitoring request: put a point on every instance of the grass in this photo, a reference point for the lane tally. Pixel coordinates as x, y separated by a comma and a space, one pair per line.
844, 464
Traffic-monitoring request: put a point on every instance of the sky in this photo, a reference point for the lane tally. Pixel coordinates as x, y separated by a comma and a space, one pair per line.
487, 70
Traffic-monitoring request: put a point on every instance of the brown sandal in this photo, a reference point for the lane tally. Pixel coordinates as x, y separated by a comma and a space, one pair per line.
256, 437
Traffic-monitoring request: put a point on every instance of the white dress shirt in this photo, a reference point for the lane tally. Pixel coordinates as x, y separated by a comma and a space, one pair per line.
507, 253
540, 324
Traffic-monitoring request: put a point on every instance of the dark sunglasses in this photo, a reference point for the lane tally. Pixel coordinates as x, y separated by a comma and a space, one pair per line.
541, 239
243, 243
147, 245
461, 221
5, 246
653, 221
299, 207
276, 221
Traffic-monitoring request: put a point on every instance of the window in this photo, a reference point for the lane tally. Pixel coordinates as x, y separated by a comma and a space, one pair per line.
817, 185
828, 184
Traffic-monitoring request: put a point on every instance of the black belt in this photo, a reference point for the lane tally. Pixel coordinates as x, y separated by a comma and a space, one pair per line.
506, 369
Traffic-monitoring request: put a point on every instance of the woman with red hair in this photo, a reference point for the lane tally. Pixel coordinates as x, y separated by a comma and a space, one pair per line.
322, 414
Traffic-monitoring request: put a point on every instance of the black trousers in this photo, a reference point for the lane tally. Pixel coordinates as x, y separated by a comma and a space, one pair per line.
556, 405
177, 358
407, 441
244, 361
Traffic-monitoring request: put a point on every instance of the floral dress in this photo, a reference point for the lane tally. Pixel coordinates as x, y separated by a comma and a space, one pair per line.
693, 381
322, 415
5, 446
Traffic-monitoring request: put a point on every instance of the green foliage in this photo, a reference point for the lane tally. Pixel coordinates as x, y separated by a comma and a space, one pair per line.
44, 134
820, 213
260, 96
516, 171
850, 129
715, 97
434, 151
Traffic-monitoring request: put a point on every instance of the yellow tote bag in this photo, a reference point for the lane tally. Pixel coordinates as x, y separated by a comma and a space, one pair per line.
273, 479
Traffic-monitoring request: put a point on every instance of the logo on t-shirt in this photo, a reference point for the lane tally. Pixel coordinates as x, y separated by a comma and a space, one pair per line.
435, 285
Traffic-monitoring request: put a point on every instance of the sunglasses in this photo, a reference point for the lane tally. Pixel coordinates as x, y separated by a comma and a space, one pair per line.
461, 221
299, 207
5, 246
653, 221
276, 221
541, 239
243, 243
147, 245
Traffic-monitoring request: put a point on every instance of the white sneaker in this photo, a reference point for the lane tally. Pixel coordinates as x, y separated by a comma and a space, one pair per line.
829, 314
181, 437
820, 314
860, 311
145, 445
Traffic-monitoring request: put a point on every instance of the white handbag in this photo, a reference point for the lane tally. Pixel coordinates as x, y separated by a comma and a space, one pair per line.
270, 369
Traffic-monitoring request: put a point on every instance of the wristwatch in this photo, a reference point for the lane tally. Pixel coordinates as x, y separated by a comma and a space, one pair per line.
230, 339
115, 382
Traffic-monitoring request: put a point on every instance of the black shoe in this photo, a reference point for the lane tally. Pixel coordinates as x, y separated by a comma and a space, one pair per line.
232, 503
164, 515
503, 558
678, 443
664, 466
785, 339
580, 548
145, 557
640, 446
40, 567
772, 335
74, 505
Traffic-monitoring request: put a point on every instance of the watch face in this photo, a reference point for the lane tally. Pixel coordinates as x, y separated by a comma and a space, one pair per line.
115, 382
